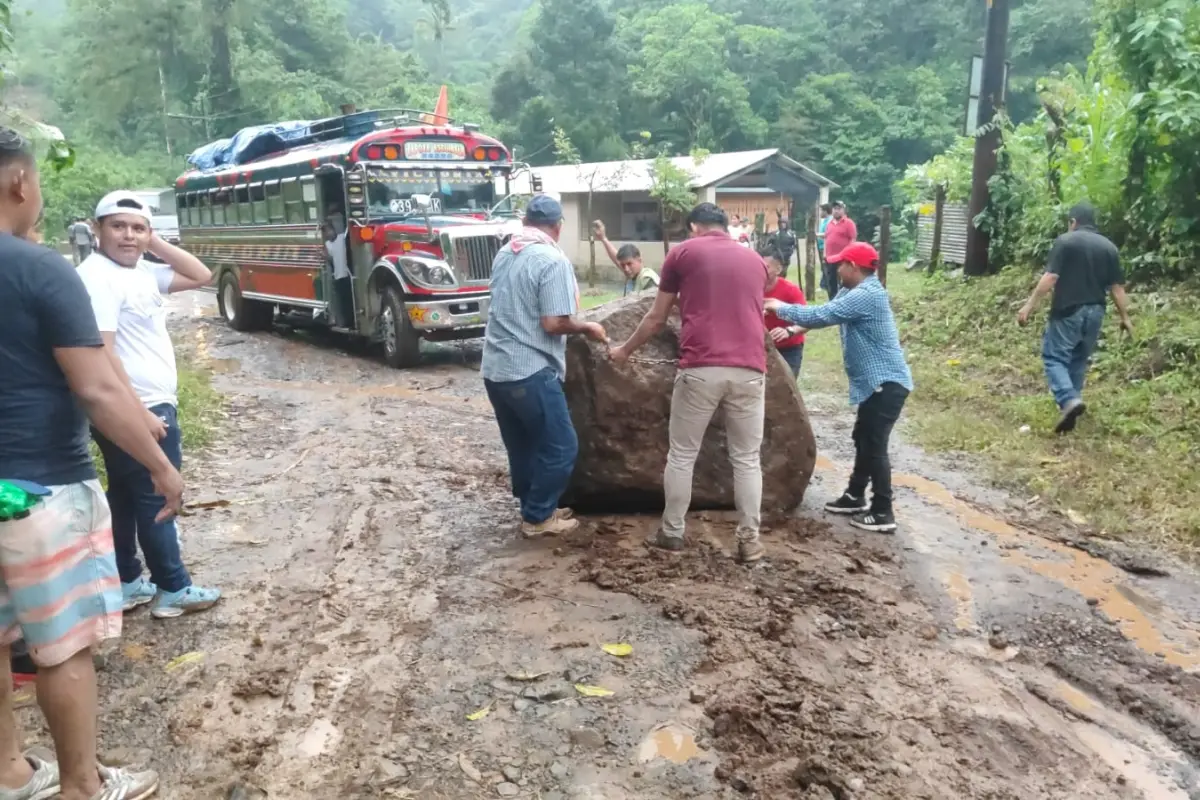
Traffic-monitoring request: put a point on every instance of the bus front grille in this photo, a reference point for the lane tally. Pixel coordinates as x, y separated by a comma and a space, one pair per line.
473, 256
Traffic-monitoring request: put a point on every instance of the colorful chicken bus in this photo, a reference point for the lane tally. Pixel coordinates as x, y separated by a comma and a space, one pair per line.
407, 208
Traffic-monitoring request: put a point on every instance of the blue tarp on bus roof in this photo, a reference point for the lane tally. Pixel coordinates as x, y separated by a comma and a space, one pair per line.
248, 144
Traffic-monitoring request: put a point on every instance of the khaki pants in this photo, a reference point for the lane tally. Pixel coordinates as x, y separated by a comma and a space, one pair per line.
699, 392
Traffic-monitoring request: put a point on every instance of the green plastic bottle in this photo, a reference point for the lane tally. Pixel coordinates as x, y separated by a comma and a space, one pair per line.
15, 502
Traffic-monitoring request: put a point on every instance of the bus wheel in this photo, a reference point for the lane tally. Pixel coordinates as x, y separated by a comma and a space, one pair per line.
401, 342
240, 313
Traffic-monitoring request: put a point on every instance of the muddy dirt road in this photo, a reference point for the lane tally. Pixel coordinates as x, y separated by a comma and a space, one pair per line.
387, 634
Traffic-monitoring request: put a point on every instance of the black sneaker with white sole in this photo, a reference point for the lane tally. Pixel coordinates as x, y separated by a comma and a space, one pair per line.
1071, 413
847, 504
875, 521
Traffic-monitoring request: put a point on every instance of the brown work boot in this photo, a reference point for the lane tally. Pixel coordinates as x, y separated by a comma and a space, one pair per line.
556, 525
750, 550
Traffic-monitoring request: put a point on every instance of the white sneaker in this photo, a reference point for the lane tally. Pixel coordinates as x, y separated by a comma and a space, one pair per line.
122, 784
42, 786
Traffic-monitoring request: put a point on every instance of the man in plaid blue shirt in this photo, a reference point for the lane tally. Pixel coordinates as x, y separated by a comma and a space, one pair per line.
880, 380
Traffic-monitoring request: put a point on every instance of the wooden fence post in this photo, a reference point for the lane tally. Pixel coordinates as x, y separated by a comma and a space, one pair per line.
939, 213
810, 256
885, 241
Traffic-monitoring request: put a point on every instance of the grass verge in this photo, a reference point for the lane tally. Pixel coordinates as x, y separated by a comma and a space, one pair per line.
590, 298
199, 409
1129, 471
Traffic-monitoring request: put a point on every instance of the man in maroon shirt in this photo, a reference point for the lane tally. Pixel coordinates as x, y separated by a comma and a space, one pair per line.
840, 233
719, 285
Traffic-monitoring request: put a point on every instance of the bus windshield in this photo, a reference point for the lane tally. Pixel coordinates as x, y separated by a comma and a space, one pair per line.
390, 192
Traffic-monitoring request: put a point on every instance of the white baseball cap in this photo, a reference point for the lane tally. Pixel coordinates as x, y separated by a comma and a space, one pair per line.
123, 202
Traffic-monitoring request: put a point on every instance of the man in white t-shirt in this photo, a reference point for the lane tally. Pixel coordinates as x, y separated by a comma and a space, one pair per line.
127, 298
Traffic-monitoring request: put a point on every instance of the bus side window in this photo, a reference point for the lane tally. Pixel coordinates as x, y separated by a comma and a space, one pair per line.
181, 206
293, 200
205, 209
241, 196
274, 201
216, 197
308, 187
258, 201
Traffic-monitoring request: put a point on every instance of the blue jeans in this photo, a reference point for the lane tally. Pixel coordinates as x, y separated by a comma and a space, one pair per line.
1068, 344
539, 437
793, 356
134, 505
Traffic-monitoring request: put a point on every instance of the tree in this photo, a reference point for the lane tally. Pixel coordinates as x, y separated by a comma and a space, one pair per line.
671, 186
596, 178
684, 78
59, 152
573, 64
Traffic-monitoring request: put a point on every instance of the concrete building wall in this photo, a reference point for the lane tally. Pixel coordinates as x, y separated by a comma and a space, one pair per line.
612, 208
607, 207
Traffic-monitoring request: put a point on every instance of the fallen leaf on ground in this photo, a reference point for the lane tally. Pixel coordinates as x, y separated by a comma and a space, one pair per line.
134, 652
526, 677
480, 714
184, 660
618, 650
469, 769
207, 504
593, 691
24, 697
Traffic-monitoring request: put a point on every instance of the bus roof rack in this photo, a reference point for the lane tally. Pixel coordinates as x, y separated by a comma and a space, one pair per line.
360, 123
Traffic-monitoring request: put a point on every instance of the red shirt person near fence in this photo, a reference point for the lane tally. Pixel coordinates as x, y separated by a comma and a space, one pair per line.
839, 234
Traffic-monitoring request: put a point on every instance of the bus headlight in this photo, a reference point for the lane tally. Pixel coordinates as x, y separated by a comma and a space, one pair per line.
427, 272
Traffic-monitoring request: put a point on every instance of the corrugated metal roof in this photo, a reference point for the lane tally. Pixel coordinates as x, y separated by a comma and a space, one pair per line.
956, 220
634, 176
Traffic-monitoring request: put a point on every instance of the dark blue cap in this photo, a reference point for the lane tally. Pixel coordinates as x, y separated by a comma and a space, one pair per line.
543, 210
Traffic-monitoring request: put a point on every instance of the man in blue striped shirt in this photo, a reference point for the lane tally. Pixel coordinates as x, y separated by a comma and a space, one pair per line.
534, 299
880, 380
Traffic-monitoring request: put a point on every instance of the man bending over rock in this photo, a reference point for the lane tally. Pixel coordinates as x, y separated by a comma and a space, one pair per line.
534, 298
719, 286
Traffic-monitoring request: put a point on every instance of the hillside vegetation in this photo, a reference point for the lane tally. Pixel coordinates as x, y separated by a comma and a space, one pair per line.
859, 90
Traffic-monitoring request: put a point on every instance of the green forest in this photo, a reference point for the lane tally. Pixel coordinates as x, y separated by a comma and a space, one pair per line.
1103, 97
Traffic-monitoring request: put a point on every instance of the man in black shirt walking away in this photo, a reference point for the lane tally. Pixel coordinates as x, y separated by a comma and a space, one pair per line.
1084, 268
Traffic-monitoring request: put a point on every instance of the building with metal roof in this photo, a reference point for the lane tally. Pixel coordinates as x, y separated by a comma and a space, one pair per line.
746, 183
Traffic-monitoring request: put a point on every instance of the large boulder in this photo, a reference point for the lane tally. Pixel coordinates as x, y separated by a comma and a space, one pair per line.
621, 416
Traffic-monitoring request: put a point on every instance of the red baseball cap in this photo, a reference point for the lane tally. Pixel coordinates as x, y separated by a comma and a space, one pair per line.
861, 254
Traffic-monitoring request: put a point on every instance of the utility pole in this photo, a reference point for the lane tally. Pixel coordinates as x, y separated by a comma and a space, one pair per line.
991, 98
162, 85
885, 242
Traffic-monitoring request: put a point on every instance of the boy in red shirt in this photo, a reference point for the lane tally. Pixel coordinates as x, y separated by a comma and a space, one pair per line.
788, 338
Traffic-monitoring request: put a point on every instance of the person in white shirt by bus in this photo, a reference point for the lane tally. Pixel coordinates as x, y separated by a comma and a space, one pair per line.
343, 286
